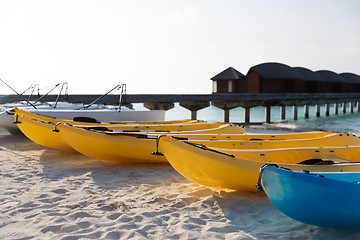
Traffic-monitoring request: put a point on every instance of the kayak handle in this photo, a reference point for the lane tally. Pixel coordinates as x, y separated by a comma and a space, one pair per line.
258, 185
157, 153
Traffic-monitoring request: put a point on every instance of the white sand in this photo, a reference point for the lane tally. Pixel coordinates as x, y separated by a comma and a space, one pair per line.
53, 194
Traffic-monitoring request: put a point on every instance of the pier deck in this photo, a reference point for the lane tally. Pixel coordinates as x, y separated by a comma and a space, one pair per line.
195, 102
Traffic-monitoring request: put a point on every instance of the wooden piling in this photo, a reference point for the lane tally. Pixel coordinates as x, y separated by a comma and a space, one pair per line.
247, 115
327, 109
282, 112
268, 114
336, 108
317, 110
295, 112
306, 111
351, 107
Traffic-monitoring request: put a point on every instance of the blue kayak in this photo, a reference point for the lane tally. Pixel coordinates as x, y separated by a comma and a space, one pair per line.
320, 199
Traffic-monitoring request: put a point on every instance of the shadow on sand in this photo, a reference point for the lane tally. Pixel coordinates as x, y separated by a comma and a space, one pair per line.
58, 164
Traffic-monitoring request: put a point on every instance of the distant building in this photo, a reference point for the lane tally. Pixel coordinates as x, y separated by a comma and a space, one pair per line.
351, 83
331, 82
311, 79
272, 77
229, 81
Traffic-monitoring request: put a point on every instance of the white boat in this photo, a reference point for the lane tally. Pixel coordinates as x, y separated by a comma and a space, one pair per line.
88, 113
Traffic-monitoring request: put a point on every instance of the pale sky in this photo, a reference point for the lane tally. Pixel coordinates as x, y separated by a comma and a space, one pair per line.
169, 46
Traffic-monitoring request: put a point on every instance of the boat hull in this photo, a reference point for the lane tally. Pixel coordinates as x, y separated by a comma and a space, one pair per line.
42, 133
312, 199
110, 147
217, 170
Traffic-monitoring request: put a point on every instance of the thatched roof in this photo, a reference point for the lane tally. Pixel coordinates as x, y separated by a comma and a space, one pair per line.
330, 76
350, 77
272, 70
308, 74
229, 74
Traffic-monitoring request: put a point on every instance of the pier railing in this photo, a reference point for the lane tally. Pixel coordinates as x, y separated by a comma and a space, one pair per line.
196, 102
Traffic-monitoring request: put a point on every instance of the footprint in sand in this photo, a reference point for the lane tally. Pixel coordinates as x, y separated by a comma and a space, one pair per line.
54, 229
113, 235
60, 191
43, 196
69, 229
114, 216
84, 224
80, 215
27, 207
20, 179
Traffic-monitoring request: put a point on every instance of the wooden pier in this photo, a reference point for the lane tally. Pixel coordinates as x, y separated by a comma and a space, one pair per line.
196, 102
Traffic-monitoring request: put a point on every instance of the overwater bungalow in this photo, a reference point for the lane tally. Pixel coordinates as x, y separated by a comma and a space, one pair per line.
229, 81
331, 82
351, 84
311, 79
274, 77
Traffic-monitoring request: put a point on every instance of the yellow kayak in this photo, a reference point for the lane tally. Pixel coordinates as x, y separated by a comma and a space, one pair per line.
40, 130
333, 140
222, 171
296, 155
127, 147
46, 133
41, 133
149, 126
129, 126
123, 148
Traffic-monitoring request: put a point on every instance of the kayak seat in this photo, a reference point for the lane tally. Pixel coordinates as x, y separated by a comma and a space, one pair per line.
316, 161
85, 119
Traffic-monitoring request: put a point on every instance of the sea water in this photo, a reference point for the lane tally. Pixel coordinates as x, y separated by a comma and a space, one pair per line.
342, 122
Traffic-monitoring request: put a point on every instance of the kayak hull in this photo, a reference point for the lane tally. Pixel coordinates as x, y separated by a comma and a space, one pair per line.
217, 170
105, 147
312, 198
41, 133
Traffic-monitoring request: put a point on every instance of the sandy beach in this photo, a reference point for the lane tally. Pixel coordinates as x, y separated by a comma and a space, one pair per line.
54, 194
